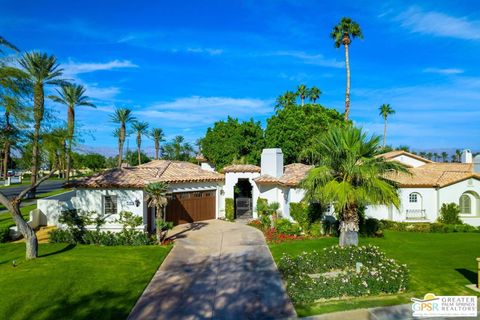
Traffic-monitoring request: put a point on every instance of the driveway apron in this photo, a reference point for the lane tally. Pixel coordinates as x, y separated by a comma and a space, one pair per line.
216, 270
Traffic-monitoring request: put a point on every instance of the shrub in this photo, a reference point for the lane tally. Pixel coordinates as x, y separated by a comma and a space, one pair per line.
330, 226
62, 236
307, 215
449, 214
229, 209
266, 212
4, 235
426, 227
331, 273
284, 226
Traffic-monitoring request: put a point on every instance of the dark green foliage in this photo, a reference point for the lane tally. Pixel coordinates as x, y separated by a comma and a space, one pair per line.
284, 226
426, 227
371, 227
177, 149
4, 235
92, 161
266, 212
229, 209
449, 214
308, 216
292, 128
231, 140
131, 157
378, 274
76, 232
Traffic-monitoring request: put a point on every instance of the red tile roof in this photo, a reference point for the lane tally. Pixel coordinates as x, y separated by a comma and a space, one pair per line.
292, 176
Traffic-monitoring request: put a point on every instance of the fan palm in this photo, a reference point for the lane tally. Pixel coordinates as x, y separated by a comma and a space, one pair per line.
458, 154
122, 116
349, 176
41, 69
5, 43
158, 136
444, 156
314, 93
385, 111
285, 100
71, 95
302, 92
141, 128
343, 33
156, 197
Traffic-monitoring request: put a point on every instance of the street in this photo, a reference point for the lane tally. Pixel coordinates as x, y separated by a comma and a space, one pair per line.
46, 186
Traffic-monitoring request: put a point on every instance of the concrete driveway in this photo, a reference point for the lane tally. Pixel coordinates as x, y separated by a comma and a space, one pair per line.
216, 270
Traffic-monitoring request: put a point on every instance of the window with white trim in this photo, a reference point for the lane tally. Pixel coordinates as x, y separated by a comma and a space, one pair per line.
109, 205
465, 204
413, 197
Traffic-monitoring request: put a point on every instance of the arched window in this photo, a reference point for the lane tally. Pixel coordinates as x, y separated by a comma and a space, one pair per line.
413, 197
465, 204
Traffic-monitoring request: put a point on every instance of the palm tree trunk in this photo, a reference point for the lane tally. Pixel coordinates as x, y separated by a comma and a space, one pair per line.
303, 100
38, 105
120, 153
347, 89
6, 157
158, 217
349, 226
157, 148
71, 130
385, 133
139, 146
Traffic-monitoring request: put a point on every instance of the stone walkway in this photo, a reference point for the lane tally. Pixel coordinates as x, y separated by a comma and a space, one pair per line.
216, 270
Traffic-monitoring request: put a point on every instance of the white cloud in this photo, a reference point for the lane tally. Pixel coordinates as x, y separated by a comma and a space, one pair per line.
439, 24
73, 68
210, 51
314, 59
201, 111
443, 71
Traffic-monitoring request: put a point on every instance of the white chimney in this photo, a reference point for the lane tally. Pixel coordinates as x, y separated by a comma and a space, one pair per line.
476, 164
272, 162
207, 166
467, 156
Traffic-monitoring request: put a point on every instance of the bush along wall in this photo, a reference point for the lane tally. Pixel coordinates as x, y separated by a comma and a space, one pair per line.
426, 227
229, 209
334, 272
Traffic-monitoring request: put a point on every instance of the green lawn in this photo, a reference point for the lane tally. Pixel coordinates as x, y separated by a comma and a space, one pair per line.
6, 220
75, 282
441, 263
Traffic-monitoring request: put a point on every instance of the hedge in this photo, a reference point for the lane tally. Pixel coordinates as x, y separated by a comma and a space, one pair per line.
229, 209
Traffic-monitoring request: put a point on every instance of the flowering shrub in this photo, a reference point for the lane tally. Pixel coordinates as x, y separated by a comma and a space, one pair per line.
273, 235
331, 273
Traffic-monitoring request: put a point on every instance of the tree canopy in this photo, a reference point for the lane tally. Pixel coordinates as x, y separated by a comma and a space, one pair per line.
233, 141
293, 127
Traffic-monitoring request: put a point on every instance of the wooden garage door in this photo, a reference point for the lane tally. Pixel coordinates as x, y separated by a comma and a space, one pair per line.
186, 207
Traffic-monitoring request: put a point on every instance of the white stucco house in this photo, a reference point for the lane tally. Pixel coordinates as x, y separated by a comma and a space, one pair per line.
198, 192
431, 184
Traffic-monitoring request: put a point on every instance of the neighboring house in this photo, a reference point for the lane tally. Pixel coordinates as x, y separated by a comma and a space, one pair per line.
198, 193
431, 184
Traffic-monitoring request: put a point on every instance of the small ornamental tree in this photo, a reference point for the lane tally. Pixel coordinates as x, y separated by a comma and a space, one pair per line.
449, 214
157, 198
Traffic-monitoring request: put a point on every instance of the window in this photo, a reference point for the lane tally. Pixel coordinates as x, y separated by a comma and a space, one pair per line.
109, 205
413, 197
465, 204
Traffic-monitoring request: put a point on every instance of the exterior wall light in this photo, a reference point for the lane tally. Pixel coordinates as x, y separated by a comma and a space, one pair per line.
137, 202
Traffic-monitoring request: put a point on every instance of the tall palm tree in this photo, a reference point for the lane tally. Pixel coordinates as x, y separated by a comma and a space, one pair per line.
435, 156
141, 128
122, 116
302, 92
156, 196
5, 43
158, 136
41, 69
429, 155
444, 156
385, 111
343, 33
314, 93
350, 176
71, 95
458, 153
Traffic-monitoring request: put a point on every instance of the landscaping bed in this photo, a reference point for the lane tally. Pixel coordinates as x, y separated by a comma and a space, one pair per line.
75, 281
441, 263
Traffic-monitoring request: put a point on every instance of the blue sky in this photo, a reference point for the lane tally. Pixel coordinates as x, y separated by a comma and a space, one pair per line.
182, 65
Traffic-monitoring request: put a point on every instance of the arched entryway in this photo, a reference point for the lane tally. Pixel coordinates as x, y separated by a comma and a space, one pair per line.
243, 199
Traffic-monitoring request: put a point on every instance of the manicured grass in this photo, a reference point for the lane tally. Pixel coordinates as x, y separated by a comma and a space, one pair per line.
75, 282
6, 220
441, 263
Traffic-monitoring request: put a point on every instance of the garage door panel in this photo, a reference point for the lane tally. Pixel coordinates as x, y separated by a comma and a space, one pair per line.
187, 207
